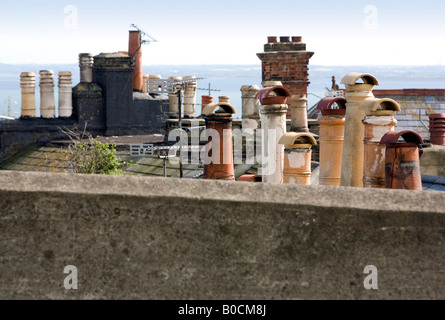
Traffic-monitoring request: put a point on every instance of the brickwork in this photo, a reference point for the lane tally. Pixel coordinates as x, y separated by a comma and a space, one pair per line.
286, 61
416, 105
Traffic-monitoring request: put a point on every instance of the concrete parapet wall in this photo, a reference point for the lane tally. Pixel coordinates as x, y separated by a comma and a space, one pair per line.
156, 238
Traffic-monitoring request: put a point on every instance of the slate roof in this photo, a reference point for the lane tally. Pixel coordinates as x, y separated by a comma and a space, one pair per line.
435, 183
56, 159
40, 159
154, 166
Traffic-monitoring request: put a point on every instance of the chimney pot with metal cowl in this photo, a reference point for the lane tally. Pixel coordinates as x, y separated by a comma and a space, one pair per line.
378, 121
28, 88
220, 122
353, 147
297, 157
135, 52
331, 137
402, 164
273, 95
273, 125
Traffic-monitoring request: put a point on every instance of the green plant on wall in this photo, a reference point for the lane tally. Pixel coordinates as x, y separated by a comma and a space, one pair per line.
95, 157
90, 156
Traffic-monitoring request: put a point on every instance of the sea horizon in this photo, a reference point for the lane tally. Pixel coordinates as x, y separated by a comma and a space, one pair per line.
227, 79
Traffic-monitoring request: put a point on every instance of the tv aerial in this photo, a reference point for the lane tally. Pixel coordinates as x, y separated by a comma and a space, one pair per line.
209, 89
145, 35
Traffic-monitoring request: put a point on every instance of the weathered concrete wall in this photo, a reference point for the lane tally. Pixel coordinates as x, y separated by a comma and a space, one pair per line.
156, 238
432, 161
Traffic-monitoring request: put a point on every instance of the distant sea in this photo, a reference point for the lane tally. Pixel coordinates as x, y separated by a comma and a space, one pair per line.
228, 79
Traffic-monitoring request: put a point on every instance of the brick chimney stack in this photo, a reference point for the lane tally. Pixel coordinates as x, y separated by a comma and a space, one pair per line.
286, 61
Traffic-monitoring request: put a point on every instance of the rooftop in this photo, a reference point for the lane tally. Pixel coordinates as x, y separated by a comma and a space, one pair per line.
54, 157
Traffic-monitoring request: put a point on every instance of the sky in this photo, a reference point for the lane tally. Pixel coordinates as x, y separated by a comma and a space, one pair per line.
340, 32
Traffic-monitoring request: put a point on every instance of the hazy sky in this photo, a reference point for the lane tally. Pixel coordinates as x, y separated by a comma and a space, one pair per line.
340, 32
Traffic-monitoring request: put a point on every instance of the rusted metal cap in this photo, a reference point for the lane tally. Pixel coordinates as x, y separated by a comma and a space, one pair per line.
326, 106
410, 137
273, 95
250, 178
296, 140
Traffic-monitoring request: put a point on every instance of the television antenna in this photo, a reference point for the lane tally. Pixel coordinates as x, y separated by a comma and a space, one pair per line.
144, 34
177, 87
209, 88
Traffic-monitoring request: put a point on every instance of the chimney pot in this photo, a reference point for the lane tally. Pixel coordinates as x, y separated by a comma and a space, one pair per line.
189, 103
297, 39
224, 99
28, 85
86, 61
223, 169
205, 100
284, 39
135, 51
271, 39
47, 104
65, 94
